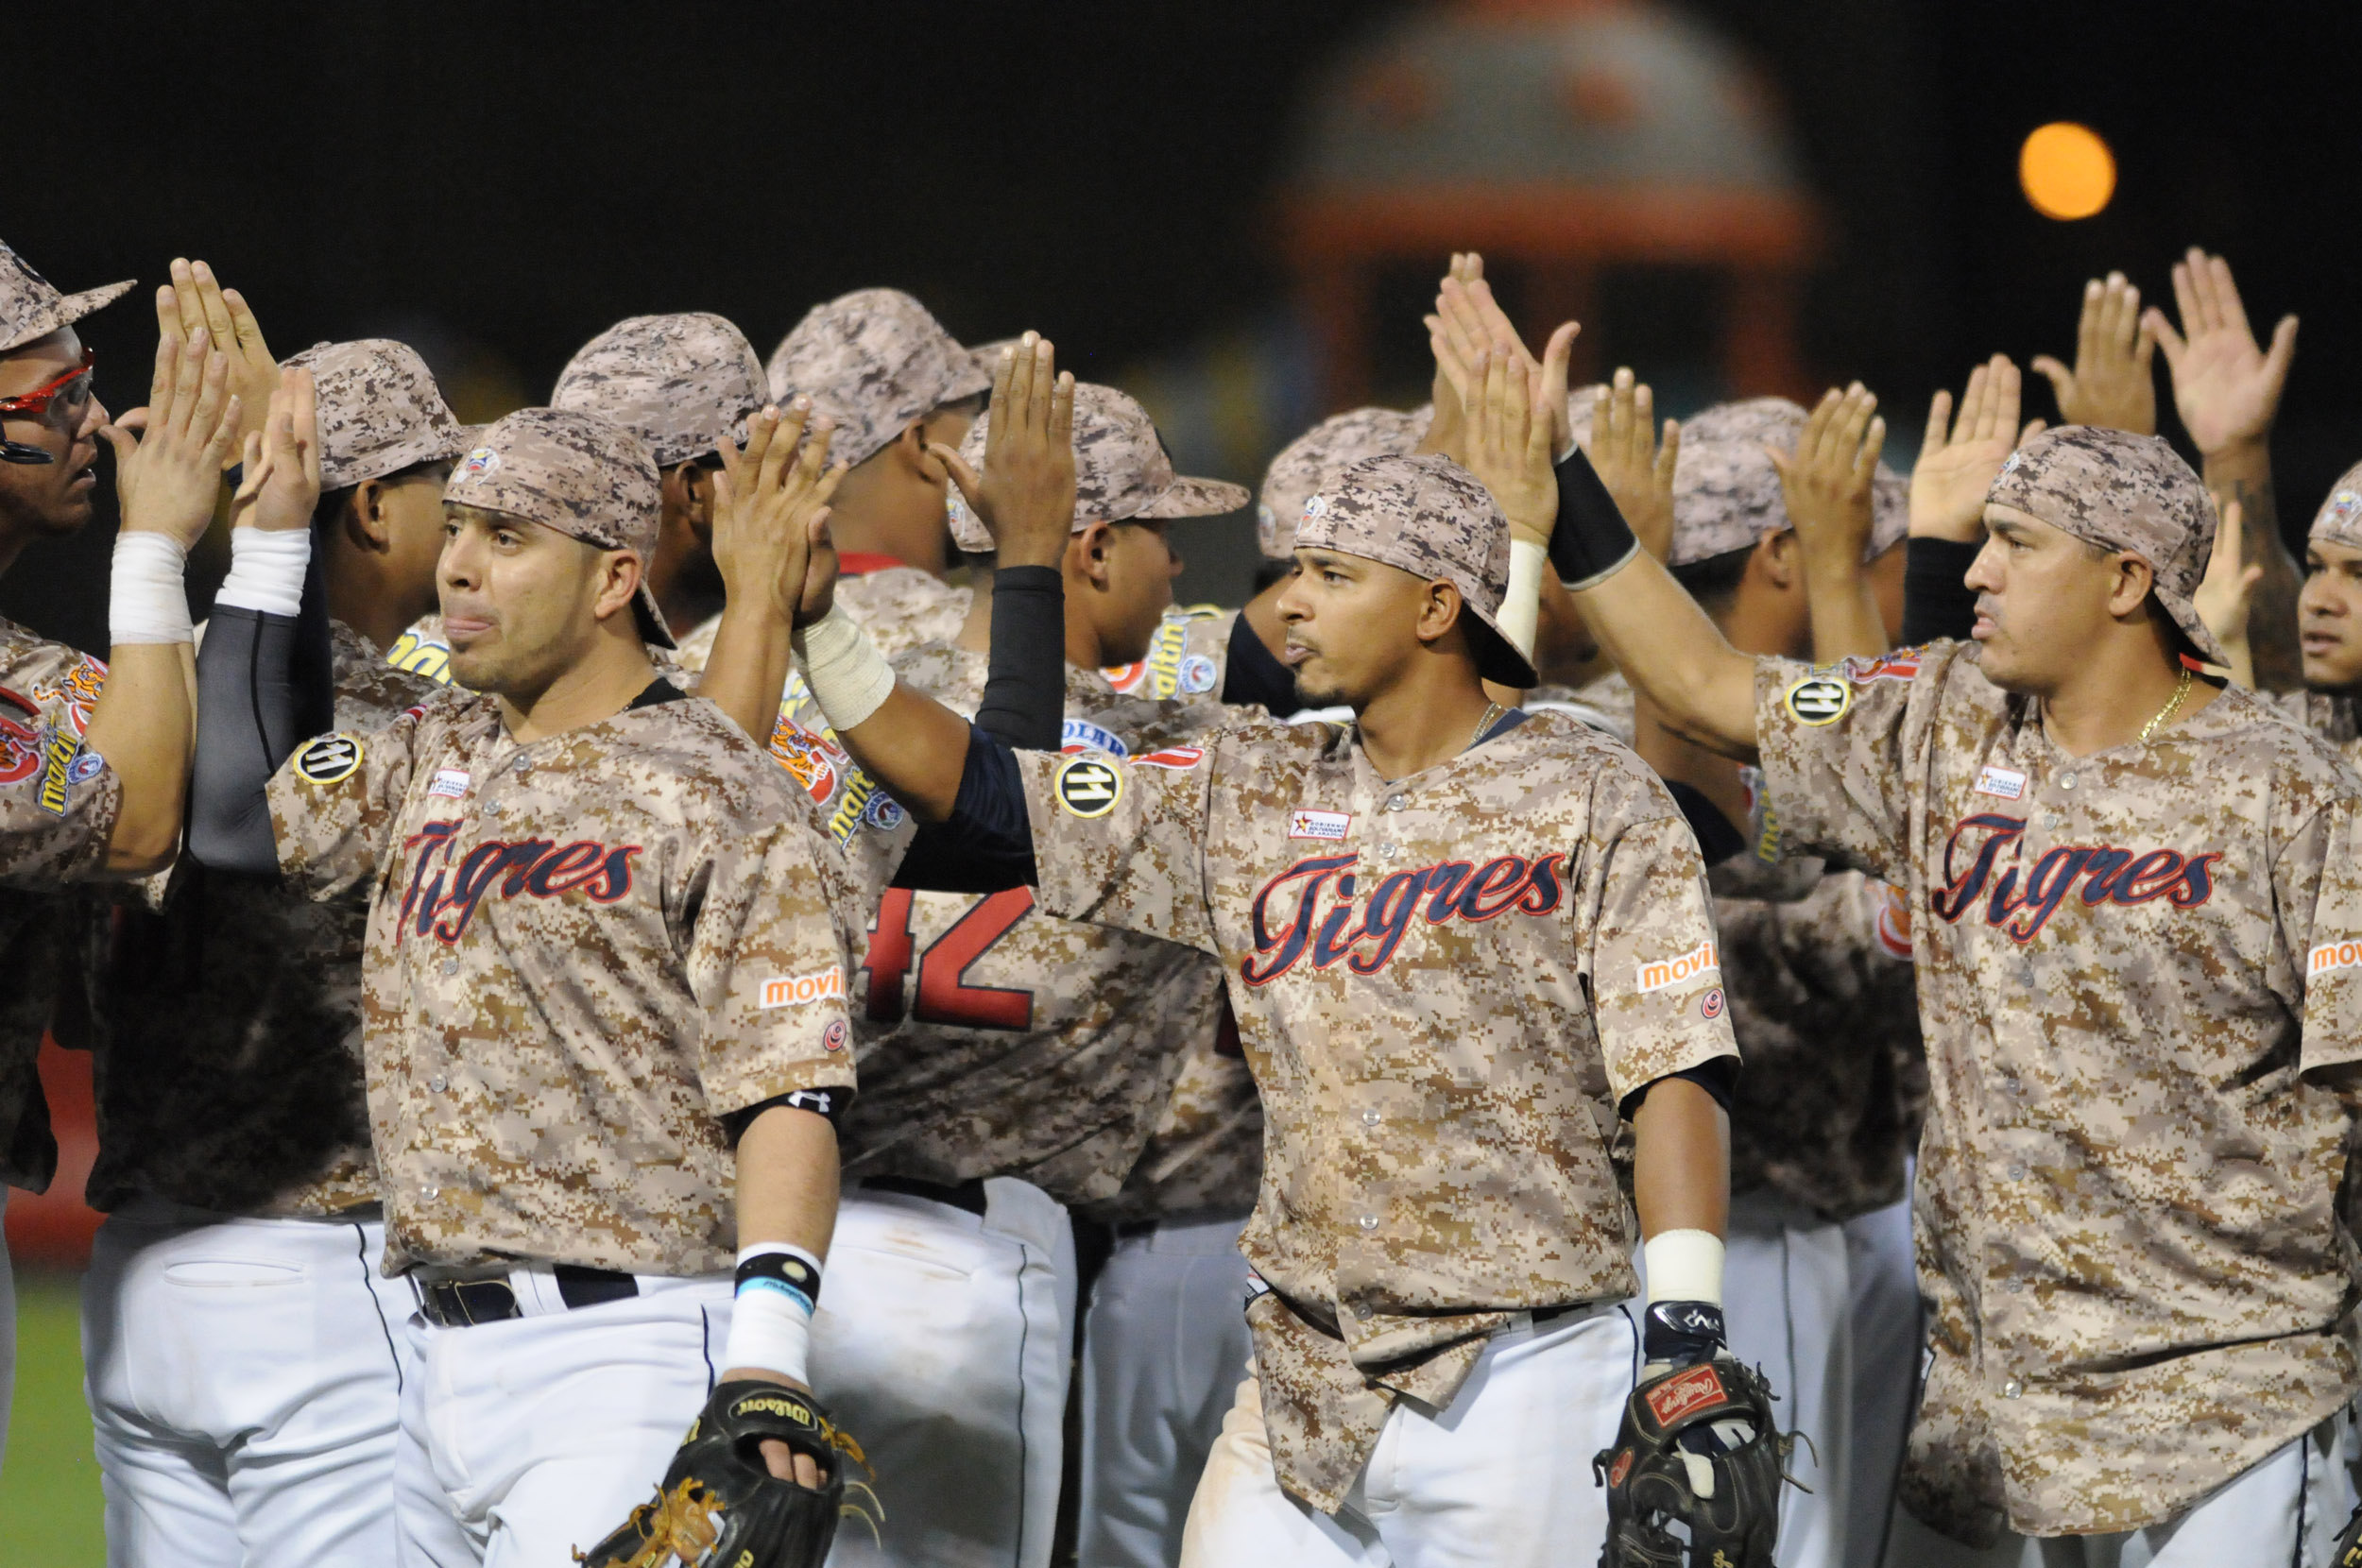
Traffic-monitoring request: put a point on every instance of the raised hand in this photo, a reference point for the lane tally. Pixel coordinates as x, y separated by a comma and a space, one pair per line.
2111, 384
771, 514
1955, 469
1446, 431
280, 488
1468, 318
2226, 389
1025, 497
198, 300
1509, 446
2226, 595
168, 476
1827, 480
1633, 462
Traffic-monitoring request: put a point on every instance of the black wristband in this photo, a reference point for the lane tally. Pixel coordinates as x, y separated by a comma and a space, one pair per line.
1024, 703
1937, 602
1682, 1333
784, 1270
1591, 537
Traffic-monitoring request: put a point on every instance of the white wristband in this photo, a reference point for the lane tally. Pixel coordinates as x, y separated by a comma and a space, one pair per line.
771, 1320
1683, 1266
266, 570
848, 677
147, 599
1521, 605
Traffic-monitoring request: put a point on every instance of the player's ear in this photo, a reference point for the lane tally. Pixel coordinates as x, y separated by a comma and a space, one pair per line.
1091, 552
619, 584
364, 518
2128, 584
1780, 560
1439, 611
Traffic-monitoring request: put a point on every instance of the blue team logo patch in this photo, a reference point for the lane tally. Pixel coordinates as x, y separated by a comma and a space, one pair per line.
89, 765
1197, 673
884, 812
1082, 735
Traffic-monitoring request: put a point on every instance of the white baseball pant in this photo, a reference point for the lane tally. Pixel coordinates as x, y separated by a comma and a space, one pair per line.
525, 1440
1500, 1479
1785, 1281
1884, 1283
244, 1378
2286, 1512
1163, 1345
944, 1342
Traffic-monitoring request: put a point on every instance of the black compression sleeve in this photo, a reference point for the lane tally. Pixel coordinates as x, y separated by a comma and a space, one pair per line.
987, 845
1719, 1077
248, 697
1591, 537
1717, 841
1255, 676
1936, 601
1024, 702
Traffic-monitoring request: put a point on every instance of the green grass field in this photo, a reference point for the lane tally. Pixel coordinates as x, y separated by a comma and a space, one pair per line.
50, 1513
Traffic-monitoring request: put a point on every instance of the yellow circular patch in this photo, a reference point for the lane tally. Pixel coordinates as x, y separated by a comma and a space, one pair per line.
329, 759
1087, 787
1819, 700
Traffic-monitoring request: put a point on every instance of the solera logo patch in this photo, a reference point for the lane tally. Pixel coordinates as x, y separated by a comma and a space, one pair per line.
1304, 823
796, 990
1662, 973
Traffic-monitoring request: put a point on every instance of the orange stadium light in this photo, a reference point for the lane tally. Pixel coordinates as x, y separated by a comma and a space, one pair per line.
2067, 170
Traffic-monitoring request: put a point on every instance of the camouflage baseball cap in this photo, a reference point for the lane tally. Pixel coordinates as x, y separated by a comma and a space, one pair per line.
2121, 492
1727, 493
30, 308
1319, 455
873, 361
1121, 471
586, 477
1425, 515
679, 382
2340, 520
380, 410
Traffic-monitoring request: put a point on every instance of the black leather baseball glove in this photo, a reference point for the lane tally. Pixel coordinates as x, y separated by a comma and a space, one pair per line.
1697, 1444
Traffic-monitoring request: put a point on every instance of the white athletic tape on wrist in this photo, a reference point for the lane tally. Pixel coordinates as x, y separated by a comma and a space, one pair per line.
848, 677
1521, 605
147, 599
1683, 1266
770, 1329
266, 570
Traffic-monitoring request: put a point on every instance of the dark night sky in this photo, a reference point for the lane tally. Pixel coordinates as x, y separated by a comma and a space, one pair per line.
500, 181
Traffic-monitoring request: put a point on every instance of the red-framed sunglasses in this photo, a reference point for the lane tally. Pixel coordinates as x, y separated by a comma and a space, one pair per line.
35, 404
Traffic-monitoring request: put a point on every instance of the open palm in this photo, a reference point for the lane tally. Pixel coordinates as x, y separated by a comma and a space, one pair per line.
2225, 386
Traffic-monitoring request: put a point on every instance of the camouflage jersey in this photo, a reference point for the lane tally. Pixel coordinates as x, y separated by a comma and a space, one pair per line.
1827, 1015
1447, 987
2137, 971
227, 1028
583, 951
2329, 714
57, 806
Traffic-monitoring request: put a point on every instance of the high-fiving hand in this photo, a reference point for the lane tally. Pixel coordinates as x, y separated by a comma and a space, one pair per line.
1509, 444
195, 300
1961, 457
2226, 389
1637, 466
1025, 496
771, 514
1826, 482
168, 474
280, 486
1467, 318
2111, 384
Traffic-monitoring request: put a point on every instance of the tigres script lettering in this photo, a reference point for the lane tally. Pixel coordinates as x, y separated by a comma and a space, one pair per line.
1449, 890
543, 867
2109, 875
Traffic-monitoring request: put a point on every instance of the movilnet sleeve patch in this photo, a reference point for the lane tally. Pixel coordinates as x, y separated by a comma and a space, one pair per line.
1819, 700
1088, 787
330, 759
798, 990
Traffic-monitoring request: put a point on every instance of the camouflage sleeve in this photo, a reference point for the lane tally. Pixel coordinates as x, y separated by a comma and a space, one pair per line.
1655, 972
1121, 842
2316, 883
1836, 745
767, 963
334, 805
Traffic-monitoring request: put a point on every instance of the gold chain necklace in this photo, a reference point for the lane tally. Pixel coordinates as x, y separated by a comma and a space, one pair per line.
2173, 706
1492, 711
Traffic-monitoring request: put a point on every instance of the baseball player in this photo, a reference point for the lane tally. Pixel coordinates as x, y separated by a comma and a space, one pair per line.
603, 993
1439, 1340
87, 789
2130, 891
996, 1043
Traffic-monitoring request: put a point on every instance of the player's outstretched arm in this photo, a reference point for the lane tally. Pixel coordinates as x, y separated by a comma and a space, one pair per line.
905, 740
168, 477
767, 498
1826, 486
787, 1193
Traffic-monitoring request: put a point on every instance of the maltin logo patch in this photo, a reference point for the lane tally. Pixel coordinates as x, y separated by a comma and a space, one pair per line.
1304, 823
1085, 786
328, 759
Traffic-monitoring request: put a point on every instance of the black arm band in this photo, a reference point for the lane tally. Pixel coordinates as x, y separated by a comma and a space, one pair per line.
1937, 600
831, 1103
986, 844
249, 700
1718, 1077
1717, 841
1591, 539
1025, 689
1254, 676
